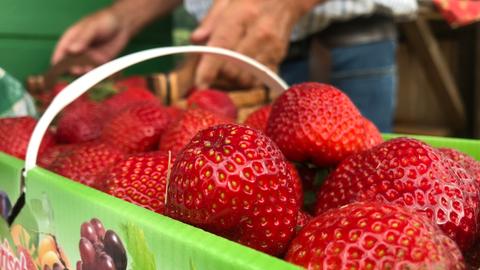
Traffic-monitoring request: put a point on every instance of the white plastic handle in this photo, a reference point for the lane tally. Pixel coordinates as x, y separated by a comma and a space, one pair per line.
87, 81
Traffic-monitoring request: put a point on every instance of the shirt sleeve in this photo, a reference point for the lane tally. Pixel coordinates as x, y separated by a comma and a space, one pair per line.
329, 11
342, 10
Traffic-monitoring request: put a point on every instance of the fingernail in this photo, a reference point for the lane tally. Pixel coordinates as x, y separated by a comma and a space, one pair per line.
75, 47
198, 33
76, 70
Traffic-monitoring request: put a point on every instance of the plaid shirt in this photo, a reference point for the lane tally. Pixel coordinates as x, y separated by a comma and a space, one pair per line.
329, 11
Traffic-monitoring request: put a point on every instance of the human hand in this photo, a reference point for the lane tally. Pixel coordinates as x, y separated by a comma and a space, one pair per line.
259, 29
101, 36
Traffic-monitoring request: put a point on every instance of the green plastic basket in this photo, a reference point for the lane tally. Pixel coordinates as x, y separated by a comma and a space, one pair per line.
57, 206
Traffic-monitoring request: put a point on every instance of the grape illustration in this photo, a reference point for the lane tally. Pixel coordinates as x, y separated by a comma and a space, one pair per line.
100, 249
5, 205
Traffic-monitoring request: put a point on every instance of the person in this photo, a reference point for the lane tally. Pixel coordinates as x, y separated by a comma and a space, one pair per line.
264, 30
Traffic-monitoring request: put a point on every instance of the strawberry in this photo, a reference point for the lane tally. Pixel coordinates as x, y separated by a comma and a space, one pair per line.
82, 121
213, 100
259, 118
410, 173
302, 219
126, 98
52, 153
234, 181
87, 161
472, 257
58, 87
373, 136
174, 112
317, 122
297, 182
469, 163
15, 134
132, 82
137, 128
372, 235
179, 133
140, 179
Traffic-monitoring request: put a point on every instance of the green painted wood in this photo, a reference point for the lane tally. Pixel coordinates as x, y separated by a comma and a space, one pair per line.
24, 57
51, 18
45, 18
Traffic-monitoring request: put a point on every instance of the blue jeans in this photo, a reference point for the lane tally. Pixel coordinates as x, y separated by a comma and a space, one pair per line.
365, 72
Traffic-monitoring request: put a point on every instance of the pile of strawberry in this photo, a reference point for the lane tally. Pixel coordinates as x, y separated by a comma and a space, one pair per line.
399, 204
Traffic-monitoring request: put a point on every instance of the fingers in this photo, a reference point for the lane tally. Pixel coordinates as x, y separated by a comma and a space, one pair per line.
260, 30
95, 29
76, 40
203, 31
65, 41
79, 70
209, 65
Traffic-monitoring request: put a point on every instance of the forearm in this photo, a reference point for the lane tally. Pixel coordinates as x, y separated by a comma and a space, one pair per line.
136, 14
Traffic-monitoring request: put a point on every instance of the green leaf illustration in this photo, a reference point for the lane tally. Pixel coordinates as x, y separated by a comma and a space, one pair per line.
141, 255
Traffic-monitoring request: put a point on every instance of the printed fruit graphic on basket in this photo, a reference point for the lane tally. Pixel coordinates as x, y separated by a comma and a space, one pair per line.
50, 255
100, 249
5, 205
36, 250
373, 235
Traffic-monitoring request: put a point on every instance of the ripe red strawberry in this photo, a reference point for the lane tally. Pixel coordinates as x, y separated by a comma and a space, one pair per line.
126, 98
15, 134
52, 153
259, 118
373, 136
174, 112
86, 161
80, 122
137, 128
302, 219
317, 122
180, 132
297, 182
132, 82
215, 101
469, 163
58, 87
372, 235
410, 173
472, 257
234, 181
140, 179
